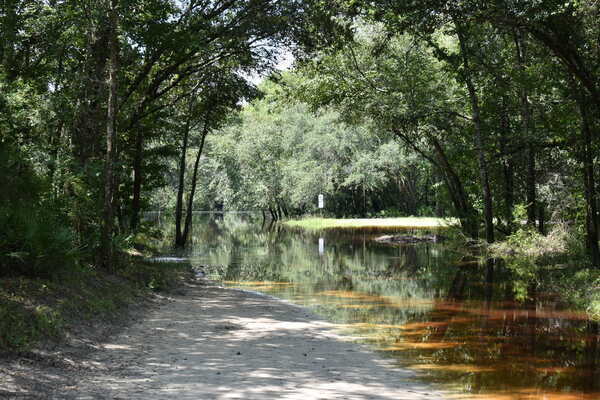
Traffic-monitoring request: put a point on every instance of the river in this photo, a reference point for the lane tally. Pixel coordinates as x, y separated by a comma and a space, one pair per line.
454, 322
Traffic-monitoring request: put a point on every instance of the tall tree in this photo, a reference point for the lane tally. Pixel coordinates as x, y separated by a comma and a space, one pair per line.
106, 250
484, 180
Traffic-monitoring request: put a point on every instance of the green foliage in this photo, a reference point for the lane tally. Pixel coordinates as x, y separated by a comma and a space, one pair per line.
36, 243
280, 154
54, 65
582, 288
533, 257
22, 327
395, 83
532, 245
379, 122
36, 239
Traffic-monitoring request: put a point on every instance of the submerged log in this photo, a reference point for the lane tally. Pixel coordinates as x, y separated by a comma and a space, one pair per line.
409, 239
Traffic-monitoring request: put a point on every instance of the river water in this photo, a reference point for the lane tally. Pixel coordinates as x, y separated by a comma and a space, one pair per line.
424, 305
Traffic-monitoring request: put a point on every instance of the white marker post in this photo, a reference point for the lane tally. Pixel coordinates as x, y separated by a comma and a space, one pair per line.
321, 199
321, 240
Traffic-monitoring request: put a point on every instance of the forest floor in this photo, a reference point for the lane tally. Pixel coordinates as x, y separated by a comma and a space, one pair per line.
209, 342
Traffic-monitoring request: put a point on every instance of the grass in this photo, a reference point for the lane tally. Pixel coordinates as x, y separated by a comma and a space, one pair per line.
357, 223
37, 311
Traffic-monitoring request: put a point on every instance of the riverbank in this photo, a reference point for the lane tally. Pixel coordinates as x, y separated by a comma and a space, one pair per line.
358, 223
214, 343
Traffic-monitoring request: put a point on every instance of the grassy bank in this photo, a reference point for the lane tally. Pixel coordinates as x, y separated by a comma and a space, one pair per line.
357, 223
34, 312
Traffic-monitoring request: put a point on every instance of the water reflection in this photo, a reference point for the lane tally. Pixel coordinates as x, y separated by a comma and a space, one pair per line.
456, 323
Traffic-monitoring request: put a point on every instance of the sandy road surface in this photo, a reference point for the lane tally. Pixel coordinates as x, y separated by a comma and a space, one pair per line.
216, 343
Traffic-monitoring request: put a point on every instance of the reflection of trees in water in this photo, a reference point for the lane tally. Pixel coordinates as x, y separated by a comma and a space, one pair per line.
592, 356
457, 288
252, 251
360, 281
407, 259
521, 347
270, 251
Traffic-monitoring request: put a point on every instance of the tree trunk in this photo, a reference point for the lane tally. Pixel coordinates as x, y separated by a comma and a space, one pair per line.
181, 186
530, 183
106, 250
466, 214
507, 169
282, 210
90, 117
527, 132
458, 195
9, 39
589, 183
478, 139
137, 179
118, 205
542, 218
188, 217
55, 144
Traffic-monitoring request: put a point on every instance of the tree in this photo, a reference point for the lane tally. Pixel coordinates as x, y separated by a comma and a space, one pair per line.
405, 91
206, 109
111, 137
278, 156
123, 69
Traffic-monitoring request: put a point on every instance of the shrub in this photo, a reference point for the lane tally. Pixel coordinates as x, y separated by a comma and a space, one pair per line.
556, 261
35, 243
35, 239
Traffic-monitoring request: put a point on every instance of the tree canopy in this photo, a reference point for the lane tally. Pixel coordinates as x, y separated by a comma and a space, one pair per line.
484, 111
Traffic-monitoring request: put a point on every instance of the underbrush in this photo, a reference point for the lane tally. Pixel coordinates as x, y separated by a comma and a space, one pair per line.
34, 311
556, 262
35, 242
48, 243
36, 239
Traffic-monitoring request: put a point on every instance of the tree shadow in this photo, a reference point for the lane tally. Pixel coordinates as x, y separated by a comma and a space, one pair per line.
225, 344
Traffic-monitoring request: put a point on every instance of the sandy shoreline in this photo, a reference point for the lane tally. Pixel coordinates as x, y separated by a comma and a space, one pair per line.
217, 343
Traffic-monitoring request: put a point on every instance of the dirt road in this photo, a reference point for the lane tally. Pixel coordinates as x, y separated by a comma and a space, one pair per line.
216, 343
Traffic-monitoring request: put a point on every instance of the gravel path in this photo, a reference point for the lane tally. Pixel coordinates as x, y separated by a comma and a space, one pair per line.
216, 343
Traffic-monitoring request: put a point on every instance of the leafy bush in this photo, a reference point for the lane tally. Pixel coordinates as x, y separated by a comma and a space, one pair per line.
36, 239
556, 261
528, 243
35, 243
583, 290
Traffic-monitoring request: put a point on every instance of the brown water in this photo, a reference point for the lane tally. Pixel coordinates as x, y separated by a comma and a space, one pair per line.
454, 322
